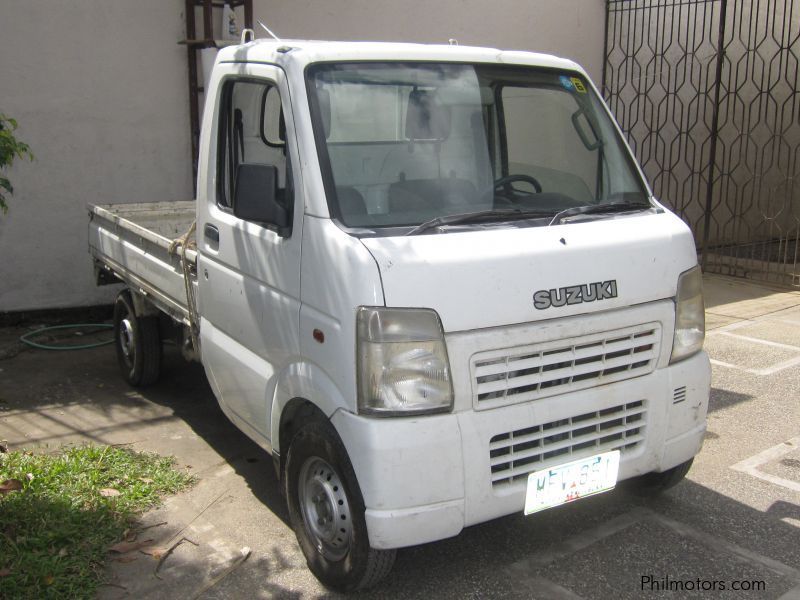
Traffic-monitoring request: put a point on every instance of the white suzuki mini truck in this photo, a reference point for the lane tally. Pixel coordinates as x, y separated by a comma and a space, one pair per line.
430, 280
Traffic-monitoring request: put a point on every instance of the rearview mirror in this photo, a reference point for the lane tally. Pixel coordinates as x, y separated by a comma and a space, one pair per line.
586, 130
255, 197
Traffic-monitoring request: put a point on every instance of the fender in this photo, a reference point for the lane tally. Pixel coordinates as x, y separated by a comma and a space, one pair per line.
305, 380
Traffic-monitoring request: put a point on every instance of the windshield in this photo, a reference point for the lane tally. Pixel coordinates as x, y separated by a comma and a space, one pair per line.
401, 144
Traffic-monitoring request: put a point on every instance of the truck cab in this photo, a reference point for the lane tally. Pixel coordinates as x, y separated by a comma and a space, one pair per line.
433, 282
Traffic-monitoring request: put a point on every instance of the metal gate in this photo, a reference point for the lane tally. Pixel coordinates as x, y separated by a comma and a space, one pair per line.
706, 92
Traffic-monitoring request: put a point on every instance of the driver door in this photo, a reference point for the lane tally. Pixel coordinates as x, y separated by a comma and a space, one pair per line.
248, 273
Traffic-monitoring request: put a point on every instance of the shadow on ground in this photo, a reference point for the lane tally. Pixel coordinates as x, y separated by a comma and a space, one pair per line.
185, 390
598, 548
579, 547
721, 399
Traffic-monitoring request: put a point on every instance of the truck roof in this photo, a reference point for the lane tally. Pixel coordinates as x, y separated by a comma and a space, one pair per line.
310, 51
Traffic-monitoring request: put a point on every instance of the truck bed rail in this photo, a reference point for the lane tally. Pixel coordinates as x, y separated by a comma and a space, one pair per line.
133, 242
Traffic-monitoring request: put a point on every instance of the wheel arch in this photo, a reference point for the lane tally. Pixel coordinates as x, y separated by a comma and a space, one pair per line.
296, 413
303, 393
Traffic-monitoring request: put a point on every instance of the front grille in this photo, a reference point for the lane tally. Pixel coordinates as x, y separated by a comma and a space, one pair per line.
502, 377
516, 454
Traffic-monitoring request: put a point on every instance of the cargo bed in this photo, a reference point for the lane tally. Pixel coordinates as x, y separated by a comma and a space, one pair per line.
132, 241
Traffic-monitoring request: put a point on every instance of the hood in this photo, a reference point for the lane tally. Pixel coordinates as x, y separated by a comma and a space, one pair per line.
495, 277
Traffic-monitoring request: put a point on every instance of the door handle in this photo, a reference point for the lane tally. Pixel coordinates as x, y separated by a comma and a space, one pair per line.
211, 234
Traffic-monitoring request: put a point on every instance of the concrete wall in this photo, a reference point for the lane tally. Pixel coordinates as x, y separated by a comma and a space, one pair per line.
568, 28
99, 88
100, 92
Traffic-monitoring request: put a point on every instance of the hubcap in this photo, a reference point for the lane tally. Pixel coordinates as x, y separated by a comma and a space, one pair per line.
326, 512
126, 340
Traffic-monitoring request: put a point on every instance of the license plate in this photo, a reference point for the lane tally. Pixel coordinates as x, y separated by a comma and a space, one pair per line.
573, 480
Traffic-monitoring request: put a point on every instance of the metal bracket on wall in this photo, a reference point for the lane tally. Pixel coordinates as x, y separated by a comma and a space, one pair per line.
193, 45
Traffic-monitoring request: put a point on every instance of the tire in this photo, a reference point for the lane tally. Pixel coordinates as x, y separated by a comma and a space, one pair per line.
652, 484
326, 510
138, 343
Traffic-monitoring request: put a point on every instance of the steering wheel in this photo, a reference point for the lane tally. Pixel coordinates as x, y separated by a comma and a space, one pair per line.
509, 179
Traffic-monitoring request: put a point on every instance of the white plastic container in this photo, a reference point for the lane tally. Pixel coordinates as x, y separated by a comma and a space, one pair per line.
230, 30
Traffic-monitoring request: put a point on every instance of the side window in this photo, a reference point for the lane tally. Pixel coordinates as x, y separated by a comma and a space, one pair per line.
251, 131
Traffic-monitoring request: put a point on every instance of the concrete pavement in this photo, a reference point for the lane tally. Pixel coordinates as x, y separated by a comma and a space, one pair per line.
735, 518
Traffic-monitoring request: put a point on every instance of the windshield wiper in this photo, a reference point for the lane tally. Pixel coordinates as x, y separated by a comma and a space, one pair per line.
482, 215
612, 207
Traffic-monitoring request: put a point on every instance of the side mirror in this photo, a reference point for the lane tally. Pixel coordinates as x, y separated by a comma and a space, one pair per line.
255, 197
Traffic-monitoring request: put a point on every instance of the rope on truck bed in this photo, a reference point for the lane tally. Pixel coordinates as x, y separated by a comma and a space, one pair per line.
179, 246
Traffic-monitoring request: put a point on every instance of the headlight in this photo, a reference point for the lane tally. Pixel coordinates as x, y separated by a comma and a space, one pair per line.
402, 362
690, 316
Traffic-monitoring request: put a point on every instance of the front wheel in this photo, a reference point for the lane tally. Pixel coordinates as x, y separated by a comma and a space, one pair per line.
326, 511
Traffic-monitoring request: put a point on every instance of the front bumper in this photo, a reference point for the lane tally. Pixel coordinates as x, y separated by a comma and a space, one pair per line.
426, 478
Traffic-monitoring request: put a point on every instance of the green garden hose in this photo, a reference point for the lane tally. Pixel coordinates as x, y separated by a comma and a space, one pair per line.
25, 339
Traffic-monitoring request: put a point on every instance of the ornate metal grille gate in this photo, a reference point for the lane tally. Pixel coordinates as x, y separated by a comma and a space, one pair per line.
706, 92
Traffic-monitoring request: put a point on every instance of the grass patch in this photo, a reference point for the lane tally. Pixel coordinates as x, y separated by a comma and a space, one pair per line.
54, 533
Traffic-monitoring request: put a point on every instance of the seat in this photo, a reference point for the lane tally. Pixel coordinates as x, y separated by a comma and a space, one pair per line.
351, 202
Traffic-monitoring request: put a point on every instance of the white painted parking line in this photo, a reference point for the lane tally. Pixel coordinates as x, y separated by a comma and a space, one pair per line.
732, 327
767, 371
719, 363
791, 521
782, 320
780, 366
539, 585
719, 545
792, 594
550, 589
747, 338
750, 465
525, 569
727, 331
586, 538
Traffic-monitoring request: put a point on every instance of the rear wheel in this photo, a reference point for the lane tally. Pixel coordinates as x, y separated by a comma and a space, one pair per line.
653, 484
326, 510
138, 343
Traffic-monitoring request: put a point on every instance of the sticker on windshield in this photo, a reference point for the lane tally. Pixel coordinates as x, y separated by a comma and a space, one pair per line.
578, 85
567, 83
